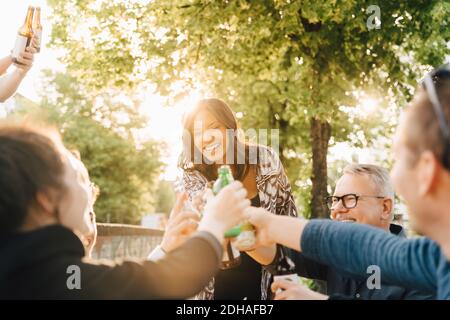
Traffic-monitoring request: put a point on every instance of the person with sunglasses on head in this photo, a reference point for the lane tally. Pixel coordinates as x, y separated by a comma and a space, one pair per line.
364, 194
421, 175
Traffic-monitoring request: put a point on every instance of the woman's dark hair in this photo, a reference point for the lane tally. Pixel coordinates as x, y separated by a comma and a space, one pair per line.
30, 161
224, 115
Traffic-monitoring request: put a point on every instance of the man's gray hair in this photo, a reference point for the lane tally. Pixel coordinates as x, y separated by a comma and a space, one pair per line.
378, 175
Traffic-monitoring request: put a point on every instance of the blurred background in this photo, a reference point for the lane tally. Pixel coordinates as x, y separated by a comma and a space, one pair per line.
116, 76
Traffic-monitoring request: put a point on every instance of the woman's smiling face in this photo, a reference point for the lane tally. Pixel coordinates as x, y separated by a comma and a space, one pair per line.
210, 137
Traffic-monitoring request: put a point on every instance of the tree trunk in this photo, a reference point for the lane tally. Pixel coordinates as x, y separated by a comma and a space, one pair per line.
281, 125
320, 133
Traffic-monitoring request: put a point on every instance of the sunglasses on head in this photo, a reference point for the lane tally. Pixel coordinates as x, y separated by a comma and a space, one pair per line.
430, 82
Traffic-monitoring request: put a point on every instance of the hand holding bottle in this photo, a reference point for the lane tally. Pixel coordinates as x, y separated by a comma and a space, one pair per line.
262, 220
24, 61
27, 41
181, 225
225, 209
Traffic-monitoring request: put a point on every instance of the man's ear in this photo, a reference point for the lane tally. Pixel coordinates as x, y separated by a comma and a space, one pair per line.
427, 169
387, 209
45, 203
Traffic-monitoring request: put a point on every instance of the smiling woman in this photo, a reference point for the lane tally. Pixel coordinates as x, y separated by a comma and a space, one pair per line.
209, 140
212, 127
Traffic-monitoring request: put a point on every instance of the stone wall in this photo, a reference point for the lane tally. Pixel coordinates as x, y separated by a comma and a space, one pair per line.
122, 241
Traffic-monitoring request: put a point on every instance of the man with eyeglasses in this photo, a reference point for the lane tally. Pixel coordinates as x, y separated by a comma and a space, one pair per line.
363, 194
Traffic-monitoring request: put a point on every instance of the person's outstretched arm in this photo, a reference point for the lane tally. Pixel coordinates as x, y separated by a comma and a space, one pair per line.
352, 248
11, 81
5, 63
184, 271
9, 84
180, 274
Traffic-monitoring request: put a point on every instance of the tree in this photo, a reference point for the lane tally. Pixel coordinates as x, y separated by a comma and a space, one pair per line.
291, 65
165, 197
126, 170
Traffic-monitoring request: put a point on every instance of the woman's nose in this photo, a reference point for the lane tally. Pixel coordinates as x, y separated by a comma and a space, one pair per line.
207, 138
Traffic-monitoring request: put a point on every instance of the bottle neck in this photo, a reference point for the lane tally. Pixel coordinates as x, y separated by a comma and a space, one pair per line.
26, 29
37, 20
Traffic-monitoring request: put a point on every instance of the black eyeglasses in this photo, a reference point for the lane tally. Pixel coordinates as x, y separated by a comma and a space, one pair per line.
349, 201
429, 83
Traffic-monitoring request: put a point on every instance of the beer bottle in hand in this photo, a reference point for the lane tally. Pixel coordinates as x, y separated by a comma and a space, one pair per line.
37, 28
231, 257
24, 36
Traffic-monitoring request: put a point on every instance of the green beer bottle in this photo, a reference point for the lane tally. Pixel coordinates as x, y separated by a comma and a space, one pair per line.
231, 257
243, 232
225, 177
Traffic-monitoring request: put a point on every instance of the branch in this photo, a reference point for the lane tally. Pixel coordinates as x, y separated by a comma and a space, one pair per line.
197, 55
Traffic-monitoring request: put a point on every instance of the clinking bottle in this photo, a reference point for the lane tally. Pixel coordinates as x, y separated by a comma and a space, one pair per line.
231, 256
37, 28
244, 232
24, 35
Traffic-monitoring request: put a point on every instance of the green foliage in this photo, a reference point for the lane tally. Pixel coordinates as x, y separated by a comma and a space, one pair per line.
165, 197
280, 63
125, 173
125, 169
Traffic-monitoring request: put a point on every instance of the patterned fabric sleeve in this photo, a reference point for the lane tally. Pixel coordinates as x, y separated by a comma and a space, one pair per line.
274, 184
193, 182
287, 205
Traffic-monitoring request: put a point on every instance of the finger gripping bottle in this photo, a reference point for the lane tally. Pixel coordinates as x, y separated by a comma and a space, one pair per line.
243, 232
